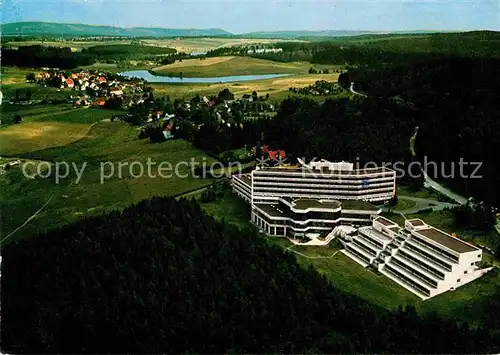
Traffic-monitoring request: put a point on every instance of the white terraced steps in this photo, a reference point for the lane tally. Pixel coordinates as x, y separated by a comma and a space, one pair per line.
424, 260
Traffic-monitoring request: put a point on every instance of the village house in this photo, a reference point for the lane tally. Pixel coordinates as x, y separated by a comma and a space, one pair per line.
100, 101
70, 83
167, 131
116, 91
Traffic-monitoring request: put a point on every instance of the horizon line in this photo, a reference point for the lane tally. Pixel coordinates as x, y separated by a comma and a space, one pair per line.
254, 31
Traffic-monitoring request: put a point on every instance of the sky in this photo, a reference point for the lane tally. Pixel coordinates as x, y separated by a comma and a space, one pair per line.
264, 15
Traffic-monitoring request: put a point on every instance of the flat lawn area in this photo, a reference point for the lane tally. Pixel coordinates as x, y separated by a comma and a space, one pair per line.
276, 88
228, 65
351, 277
30, 136
107, 143
404, 204
189, 45
420, 193
13, 75
33, 110
48, 129
37, 92
230, 208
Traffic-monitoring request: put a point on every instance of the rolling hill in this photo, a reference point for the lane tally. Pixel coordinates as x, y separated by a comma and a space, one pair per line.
37, 28
71, 30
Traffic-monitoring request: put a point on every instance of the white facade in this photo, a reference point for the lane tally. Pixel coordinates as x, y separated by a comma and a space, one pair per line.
242, 186
264, 50
419, 257
322, 182
277, 214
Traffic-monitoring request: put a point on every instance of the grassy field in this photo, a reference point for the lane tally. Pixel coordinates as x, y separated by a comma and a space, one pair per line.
403, 205
186, 45
420, 193
107, 143
43, 128
230, 208
276, 88
189, 45
229, 65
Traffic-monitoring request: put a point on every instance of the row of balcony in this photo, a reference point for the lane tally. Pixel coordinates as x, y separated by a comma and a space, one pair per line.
446, 254
316, 184
358, 254
428, 281
408, 281
424, 265
428, 256
321, 175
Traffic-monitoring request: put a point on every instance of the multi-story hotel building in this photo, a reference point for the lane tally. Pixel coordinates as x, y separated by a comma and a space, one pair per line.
302, 216
419, 257
323, 180
313, 198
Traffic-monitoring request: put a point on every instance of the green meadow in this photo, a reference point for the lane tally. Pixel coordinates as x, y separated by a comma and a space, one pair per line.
103, 185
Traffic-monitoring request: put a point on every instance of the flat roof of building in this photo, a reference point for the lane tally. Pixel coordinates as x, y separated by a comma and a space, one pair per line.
358, 205
447, 240
395, 229
375, 233
271, 210
385, 221
416, 222
328, 171
305, 203
245, 178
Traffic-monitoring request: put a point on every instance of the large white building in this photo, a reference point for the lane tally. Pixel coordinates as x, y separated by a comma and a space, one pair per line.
314, 197
419, 257
323, 180
311, 200
300, 217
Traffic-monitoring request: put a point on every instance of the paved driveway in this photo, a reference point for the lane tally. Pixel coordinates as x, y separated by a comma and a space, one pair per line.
422, 204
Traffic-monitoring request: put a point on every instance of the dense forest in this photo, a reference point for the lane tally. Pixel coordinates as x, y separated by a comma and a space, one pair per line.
457, 109
125, 51
163, 277
376, 50
364, 130
44, 56
65, 58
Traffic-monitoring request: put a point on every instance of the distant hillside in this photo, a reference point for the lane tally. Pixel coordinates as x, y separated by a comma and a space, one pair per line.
73, 30
69, 30
295, 34
324, 34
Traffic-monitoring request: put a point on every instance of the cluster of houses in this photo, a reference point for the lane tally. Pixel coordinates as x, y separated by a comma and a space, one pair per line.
278, 156
319, 88
95, 87
264, 50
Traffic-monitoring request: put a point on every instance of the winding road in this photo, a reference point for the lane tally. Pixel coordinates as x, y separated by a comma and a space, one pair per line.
432, 184
421, 204
429, 183
351, 89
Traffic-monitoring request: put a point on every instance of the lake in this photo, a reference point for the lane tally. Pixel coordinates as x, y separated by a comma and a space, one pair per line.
150, 78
